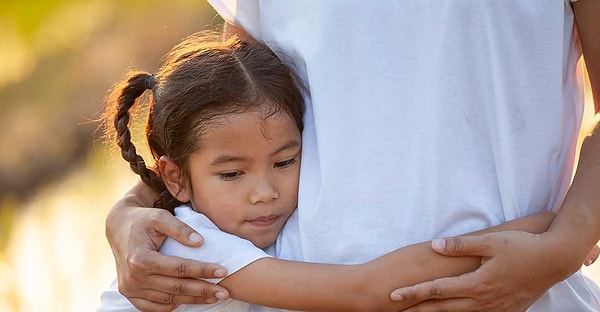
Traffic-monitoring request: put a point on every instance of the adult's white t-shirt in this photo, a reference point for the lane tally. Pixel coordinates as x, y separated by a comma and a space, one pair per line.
426, 119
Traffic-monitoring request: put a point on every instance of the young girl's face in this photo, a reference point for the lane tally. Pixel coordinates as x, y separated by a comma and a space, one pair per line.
244, 177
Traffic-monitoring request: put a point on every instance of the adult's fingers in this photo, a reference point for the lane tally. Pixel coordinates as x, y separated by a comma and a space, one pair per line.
164, 298
150, 306
160, 264
454, 294
172, 275
453, 305
443, 288
167, 225
472, 245
180, 290
511, 278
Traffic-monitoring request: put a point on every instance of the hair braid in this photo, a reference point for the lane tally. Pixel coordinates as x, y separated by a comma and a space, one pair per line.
135, 86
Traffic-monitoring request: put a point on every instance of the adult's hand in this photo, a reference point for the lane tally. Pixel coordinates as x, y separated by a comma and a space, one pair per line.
517, 268
151, 281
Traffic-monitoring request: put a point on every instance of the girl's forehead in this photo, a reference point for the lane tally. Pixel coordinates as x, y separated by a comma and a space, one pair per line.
250, 136
257, 117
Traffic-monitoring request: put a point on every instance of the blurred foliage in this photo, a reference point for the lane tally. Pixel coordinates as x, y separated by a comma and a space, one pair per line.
58, 58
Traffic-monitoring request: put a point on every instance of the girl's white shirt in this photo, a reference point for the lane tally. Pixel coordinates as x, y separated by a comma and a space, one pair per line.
228, 250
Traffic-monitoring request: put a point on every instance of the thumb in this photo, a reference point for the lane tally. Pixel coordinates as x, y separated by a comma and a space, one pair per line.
179, 231
461, 246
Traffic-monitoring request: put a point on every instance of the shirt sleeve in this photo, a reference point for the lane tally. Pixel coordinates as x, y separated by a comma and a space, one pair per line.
219, 247
242, 13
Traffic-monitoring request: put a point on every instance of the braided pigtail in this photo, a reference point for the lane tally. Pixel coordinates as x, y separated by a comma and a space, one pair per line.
136, 85
127, 94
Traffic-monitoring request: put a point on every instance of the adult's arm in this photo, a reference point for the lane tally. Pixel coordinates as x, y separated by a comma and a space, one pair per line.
151, 281
364, 287
517, 271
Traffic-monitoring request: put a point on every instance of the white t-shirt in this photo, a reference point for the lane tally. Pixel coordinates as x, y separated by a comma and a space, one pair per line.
228, 250
426, 119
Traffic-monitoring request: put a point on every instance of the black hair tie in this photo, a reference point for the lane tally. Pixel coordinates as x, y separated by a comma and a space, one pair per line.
150, 82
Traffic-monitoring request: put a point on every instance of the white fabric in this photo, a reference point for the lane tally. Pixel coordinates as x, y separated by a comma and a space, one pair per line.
228, 250
428, 119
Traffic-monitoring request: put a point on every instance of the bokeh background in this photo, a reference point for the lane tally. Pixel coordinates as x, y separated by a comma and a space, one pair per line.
57, 180
58, 58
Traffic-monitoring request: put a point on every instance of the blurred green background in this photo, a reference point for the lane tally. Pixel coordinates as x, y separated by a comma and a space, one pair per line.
57, 181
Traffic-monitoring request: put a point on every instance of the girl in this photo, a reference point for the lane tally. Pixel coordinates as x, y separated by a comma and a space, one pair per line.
224, 129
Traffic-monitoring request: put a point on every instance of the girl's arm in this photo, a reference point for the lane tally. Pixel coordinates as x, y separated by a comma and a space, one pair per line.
365, 287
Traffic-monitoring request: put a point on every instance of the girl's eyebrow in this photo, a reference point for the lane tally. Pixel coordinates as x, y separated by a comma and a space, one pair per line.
289, 144
225, 158
230, 158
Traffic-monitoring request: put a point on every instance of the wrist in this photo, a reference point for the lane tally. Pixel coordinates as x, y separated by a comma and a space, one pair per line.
575, 230
115, 221
141, 195
566, 253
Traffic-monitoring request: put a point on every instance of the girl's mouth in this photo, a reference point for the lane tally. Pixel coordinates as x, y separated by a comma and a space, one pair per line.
264, 221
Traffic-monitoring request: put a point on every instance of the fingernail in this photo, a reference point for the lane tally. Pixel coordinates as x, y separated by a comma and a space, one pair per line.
220, 273
195, 238
221, 295
397, 297
211, 300
438, 244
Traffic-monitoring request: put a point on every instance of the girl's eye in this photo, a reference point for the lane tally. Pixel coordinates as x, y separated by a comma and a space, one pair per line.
230, 175
285, 163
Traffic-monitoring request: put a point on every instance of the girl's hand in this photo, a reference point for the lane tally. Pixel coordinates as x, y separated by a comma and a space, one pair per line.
151, 281
517, 268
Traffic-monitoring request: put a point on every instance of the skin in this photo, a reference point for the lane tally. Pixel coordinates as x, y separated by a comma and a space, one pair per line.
516, 271
245, 175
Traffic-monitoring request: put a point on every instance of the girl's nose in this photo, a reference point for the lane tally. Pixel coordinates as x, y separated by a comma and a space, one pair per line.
263, 190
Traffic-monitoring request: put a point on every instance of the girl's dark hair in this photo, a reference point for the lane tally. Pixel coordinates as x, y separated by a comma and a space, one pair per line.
200, 79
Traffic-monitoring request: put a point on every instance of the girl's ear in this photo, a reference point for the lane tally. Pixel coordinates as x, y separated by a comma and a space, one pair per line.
170, 175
